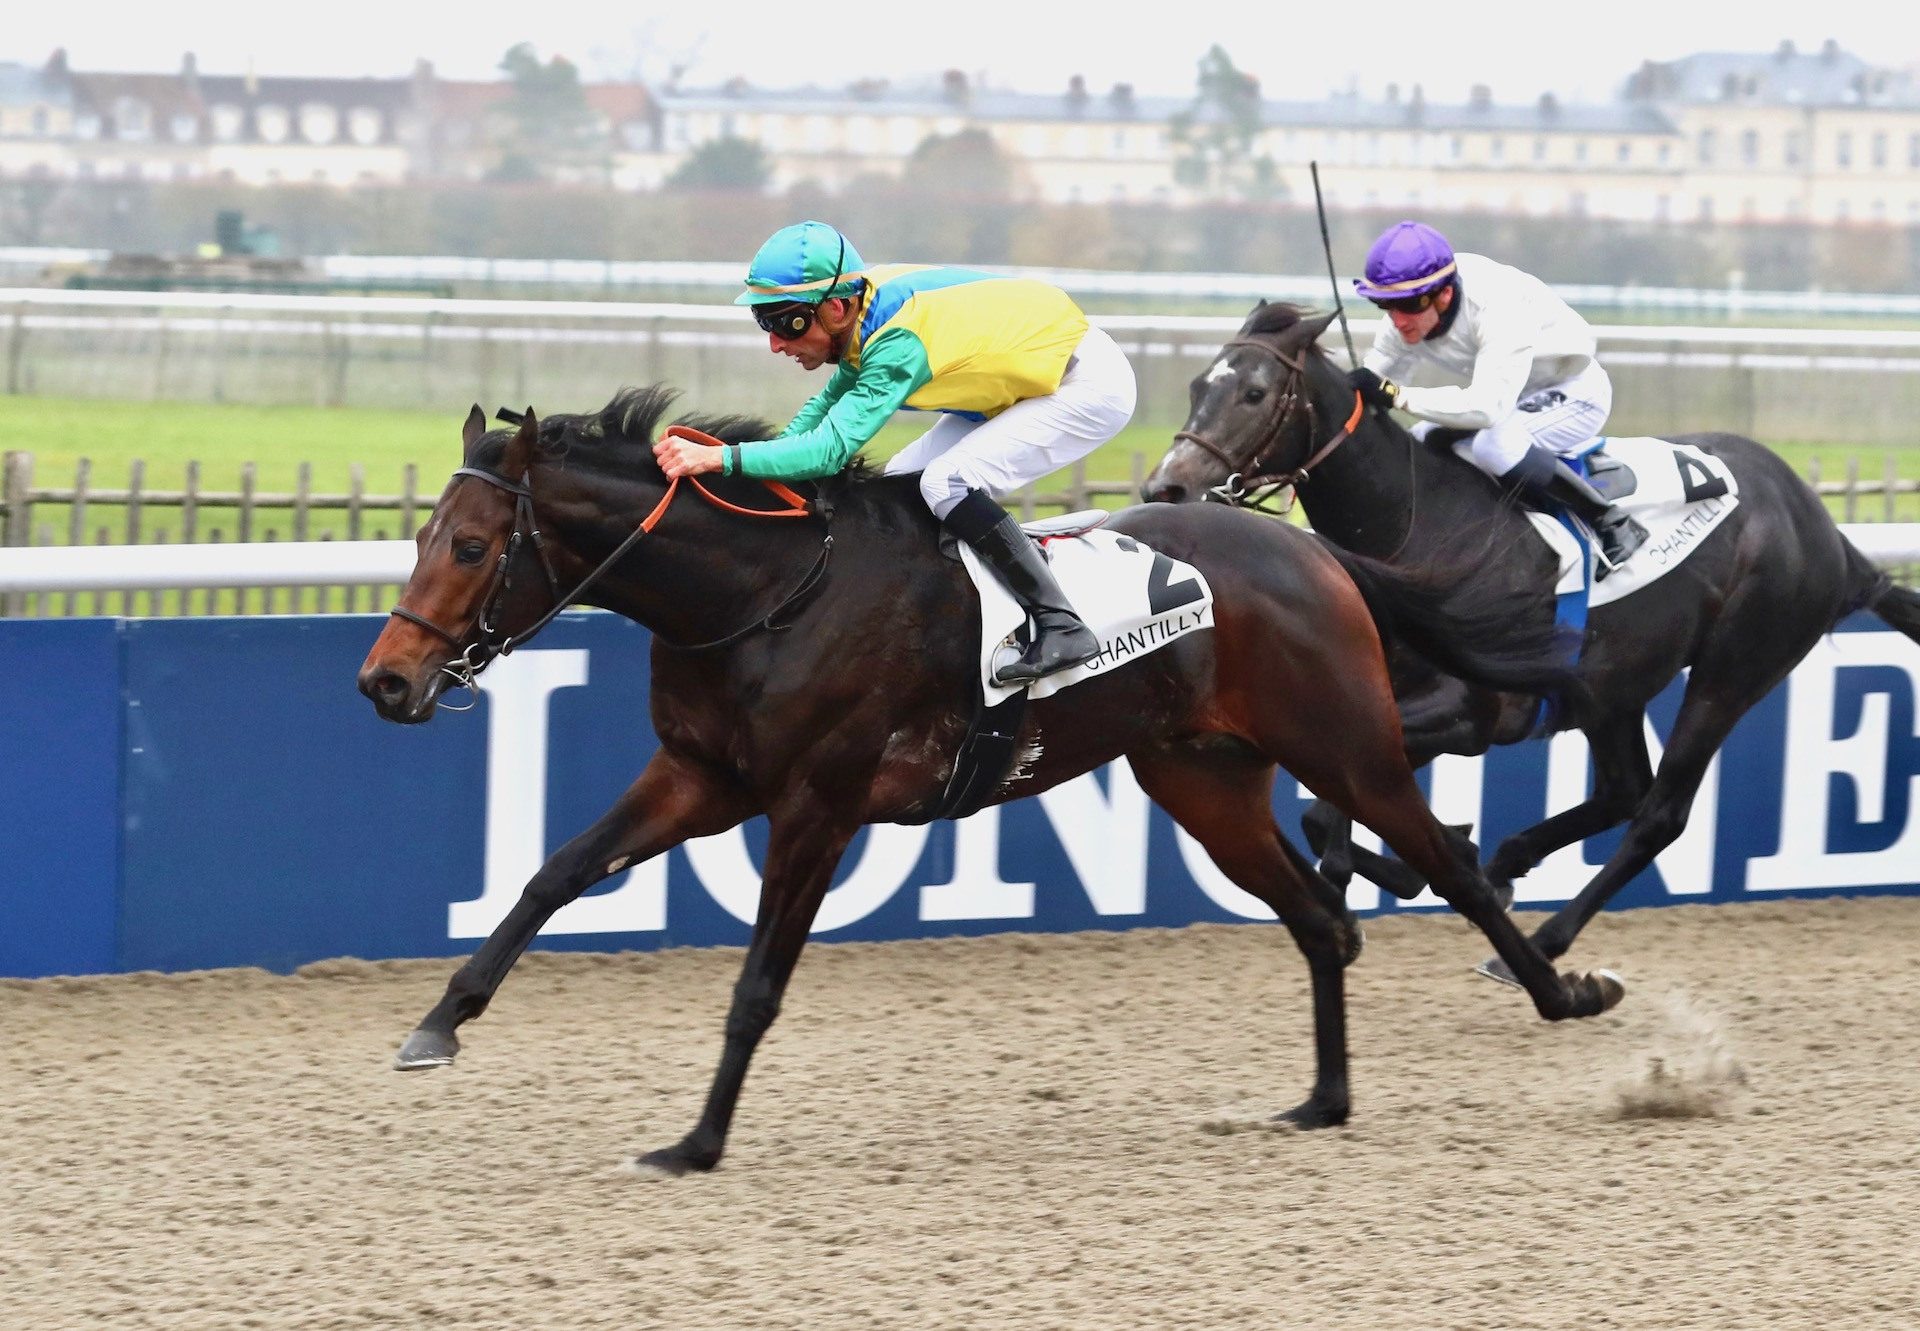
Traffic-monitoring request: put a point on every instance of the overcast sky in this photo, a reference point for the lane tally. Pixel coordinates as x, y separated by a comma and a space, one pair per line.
1298, 48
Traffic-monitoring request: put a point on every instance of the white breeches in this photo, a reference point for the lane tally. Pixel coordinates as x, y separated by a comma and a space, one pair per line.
1029, 439
1559, 418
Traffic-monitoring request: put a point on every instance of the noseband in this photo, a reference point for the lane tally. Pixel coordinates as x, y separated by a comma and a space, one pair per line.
1254, 492
492, 642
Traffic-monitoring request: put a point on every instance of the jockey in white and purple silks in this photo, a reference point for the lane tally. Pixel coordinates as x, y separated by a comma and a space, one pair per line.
1516, 369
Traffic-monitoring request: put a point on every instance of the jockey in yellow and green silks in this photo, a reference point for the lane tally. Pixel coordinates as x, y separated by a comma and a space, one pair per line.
1022, 383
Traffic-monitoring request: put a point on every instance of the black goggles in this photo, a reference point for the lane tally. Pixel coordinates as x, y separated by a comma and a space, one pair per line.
1409, 304
787, 321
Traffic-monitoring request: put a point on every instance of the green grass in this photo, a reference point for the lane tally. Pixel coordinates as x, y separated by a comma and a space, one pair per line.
166, 436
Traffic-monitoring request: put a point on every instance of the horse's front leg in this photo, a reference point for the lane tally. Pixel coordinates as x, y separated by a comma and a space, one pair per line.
674, 800
804, 846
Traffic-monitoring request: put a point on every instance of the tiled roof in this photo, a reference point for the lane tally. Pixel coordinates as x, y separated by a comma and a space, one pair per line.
1829, 77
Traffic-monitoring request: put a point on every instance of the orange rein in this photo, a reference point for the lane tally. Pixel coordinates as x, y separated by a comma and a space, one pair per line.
797, 506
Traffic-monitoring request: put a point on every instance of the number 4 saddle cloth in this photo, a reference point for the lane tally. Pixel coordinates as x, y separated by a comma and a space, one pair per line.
1677, 492
1135, 598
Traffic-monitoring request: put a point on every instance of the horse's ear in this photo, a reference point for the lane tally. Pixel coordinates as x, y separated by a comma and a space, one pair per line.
514, 462
475, 426
1314, 329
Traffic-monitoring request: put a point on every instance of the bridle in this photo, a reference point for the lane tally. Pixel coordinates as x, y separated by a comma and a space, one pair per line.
492, 642
1263, 486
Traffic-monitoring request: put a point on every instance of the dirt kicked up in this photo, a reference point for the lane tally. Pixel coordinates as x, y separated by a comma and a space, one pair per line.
1011, 1132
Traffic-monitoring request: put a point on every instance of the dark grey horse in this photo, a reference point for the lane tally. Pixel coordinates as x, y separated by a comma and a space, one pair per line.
1744, 609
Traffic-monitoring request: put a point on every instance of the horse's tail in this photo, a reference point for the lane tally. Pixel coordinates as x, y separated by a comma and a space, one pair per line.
1898, 607
1466, 626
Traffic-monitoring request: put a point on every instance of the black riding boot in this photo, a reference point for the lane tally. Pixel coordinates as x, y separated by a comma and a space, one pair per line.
1553, 481
1060, 641
1619, 535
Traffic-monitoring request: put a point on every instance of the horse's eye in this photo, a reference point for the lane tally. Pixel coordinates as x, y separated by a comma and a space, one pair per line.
1256, 394
470, 552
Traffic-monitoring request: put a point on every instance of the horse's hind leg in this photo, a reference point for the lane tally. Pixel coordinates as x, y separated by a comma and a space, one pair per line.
1225, 800
672, 801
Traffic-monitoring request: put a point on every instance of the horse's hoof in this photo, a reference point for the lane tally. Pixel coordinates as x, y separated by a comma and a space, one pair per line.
675, 1161
1495, 969
426, 1049
1315, 1113
1612, 988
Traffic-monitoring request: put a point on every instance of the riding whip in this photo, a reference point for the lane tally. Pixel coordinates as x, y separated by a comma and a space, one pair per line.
1326, 244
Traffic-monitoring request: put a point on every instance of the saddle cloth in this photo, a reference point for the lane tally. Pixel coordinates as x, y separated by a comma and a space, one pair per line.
1135, 598
1678, 493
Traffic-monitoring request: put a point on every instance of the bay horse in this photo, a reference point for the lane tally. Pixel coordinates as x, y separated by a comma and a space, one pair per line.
1738, 615
820, 670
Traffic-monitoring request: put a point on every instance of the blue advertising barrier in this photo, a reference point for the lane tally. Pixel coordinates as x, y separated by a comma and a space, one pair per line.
186, 793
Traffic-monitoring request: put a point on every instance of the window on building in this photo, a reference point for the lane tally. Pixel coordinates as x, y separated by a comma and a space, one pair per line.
1577, 203
1750, 148
1496, 149
1540, 150
1703, 148
1456, 148
183, 127
1843, 150
1791, 149
86, 125
1580, 150
363, 125
271, 123
1913, 150
1878, 149
1662, 207
227, 122
40, 122
1623, 151
132, 119
1664, 154
319, 123
1706, 208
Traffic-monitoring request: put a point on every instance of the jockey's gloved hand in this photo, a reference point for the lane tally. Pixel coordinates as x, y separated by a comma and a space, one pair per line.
1373, 390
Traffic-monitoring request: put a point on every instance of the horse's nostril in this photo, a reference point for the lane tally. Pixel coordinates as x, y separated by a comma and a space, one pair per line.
387, 687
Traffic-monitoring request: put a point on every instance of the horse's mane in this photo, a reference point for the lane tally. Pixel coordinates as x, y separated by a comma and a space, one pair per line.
621, 434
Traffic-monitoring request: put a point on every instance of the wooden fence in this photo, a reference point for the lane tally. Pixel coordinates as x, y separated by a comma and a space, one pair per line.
33, 514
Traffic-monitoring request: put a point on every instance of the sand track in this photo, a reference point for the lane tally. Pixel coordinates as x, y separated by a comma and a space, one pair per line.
1015, 1132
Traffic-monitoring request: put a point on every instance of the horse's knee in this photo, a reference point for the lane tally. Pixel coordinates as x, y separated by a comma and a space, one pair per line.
1659, 823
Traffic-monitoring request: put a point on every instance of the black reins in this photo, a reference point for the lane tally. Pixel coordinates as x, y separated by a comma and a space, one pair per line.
1259, 489
493, 643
